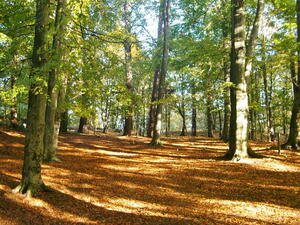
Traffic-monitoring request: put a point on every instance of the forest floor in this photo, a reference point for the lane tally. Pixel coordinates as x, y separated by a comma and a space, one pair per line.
110, 179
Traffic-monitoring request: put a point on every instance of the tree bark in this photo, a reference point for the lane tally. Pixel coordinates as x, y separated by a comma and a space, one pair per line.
270, 128
31, 181
128, 125
64, 122
13, 108
157, 68
225, 131
194, 111
209, 119
165, 8
82, 124
238, 141
52, 116
294, 135
253, 37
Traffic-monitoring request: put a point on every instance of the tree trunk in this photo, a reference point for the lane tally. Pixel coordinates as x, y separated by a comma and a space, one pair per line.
182, 113
270, 129
157, 66
209, 119
128, 72
13, 108
226, 94
253, 37
194, 114
51, 120
165, 8
64, 122
31, 181
220, 123
294, 135
82, 124
238, 141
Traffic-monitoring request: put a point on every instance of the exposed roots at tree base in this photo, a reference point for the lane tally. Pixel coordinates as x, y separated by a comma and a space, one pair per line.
155, 144
235, 157
289, 146
30, 190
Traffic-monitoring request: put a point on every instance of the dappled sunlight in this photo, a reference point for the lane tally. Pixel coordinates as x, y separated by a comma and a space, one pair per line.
109, 179
255, 210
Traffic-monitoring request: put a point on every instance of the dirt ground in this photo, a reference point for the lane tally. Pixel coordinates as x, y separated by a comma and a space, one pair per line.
110, 179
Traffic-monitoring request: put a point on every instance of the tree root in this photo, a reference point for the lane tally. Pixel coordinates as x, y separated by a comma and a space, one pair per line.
30, 190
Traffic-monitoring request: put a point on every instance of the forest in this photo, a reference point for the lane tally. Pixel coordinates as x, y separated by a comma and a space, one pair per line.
149, 112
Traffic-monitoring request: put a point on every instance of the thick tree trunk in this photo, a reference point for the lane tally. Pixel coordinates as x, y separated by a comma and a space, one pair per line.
294, 135
165, 8
82, 124
238, 141
31, 181
128, 125
64, 122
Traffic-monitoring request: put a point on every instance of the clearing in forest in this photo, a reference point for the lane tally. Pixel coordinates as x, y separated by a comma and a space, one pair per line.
110, 179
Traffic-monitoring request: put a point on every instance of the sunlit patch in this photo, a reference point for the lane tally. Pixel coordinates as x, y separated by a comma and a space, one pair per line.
128, 185
255, 210
272, 165
4, 187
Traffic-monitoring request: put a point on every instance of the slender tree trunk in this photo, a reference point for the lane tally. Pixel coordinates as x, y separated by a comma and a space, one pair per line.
226, 93
253, 37
51, 120
165, 8
157, 68
166, 120
13, 108
182, 113
194, 114
251, 44
220, 123
270, 129
31, 181
209, 119
225, 132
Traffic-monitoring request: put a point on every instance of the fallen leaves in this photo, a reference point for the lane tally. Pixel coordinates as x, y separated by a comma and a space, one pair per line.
108, 179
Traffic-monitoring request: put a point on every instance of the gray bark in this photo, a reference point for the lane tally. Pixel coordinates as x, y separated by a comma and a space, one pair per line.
52, 116
165, 8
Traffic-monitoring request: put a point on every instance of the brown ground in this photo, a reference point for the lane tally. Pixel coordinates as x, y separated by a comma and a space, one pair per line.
108, 179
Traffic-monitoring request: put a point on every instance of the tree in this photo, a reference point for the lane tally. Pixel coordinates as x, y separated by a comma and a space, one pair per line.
128, 70
238, 141
294, 135
56, 91
165, 12
31, 181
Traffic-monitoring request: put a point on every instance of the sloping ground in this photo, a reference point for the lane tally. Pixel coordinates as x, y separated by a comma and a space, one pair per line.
108, 179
